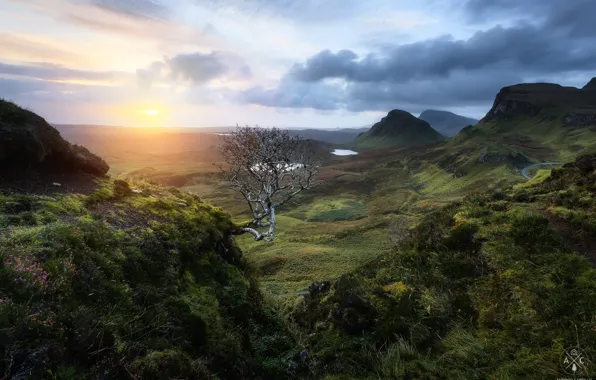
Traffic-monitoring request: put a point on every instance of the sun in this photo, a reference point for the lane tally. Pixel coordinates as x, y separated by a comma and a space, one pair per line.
151, 112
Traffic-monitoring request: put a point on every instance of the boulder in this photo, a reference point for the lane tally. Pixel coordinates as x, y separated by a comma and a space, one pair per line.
586, 163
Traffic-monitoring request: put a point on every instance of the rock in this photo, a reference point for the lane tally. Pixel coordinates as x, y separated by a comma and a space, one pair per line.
29, 144
586, 163
319, 287
122, 188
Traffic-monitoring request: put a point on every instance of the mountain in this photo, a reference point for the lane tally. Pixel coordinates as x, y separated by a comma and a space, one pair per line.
591, 86
446, 123
398, 128
528, 123
546, 102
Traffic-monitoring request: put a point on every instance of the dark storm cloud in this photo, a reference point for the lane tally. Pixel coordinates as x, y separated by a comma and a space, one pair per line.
459, 88
526, 47
48, 71
143, 9
576, 17
558, 37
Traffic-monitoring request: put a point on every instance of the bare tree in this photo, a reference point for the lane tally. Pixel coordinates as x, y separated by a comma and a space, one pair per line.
268, 166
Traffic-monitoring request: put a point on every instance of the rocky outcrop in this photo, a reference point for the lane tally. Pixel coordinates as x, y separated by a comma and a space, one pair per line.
29, 144
546, 102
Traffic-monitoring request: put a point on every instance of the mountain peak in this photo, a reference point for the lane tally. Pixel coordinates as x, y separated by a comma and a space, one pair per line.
398, 128
591, 86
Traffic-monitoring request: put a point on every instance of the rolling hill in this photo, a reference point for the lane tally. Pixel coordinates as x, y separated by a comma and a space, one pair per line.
398, 128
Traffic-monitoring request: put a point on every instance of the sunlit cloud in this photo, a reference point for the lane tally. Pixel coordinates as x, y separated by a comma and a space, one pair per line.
314, 62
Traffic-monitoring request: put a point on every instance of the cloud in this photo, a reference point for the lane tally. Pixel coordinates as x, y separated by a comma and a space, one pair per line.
150, 20
292, 94
142, 9
305, 11
447, 71
195, 68
16, 88
54, 72
575, 18
526, 47
461, 88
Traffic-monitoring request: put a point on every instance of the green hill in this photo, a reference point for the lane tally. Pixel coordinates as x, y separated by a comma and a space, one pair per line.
494, 286
528, 123
398, 128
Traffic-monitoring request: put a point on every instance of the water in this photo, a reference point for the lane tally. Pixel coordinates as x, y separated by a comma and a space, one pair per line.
280, 167
344, 152
524, 171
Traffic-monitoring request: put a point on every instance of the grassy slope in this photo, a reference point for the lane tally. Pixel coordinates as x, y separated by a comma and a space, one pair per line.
130, 286
366, 192
494, 286
410, 138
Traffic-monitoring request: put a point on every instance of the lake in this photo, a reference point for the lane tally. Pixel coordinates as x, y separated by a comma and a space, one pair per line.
344, 152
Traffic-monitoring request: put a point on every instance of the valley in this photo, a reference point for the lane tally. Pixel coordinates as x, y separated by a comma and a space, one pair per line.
345, 221
402, 254
300, 190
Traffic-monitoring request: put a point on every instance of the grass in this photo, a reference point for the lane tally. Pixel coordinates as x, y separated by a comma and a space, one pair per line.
307, 252
471, 291
145, 286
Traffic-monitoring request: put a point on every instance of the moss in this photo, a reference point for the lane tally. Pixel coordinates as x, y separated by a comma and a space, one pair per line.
467, 293
159, 293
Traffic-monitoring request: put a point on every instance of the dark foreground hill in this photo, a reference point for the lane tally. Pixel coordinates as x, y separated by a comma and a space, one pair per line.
493, 287
446, 123
398, 128
29, 146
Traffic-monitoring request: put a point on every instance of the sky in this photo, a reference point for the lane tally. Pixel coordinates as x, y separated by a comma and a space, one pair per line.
286, 63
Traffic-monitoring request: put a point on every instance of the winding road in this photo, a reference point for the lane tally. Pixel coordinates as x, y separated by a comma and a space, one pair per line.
524, 171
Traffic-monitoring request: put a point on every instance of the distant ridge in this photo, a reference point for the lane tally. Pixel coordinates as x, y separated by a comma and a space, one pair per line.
445, 122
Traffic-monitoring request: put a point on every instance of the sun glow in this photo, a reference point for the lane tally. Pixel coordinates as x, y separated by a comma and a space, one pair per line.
151, 112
